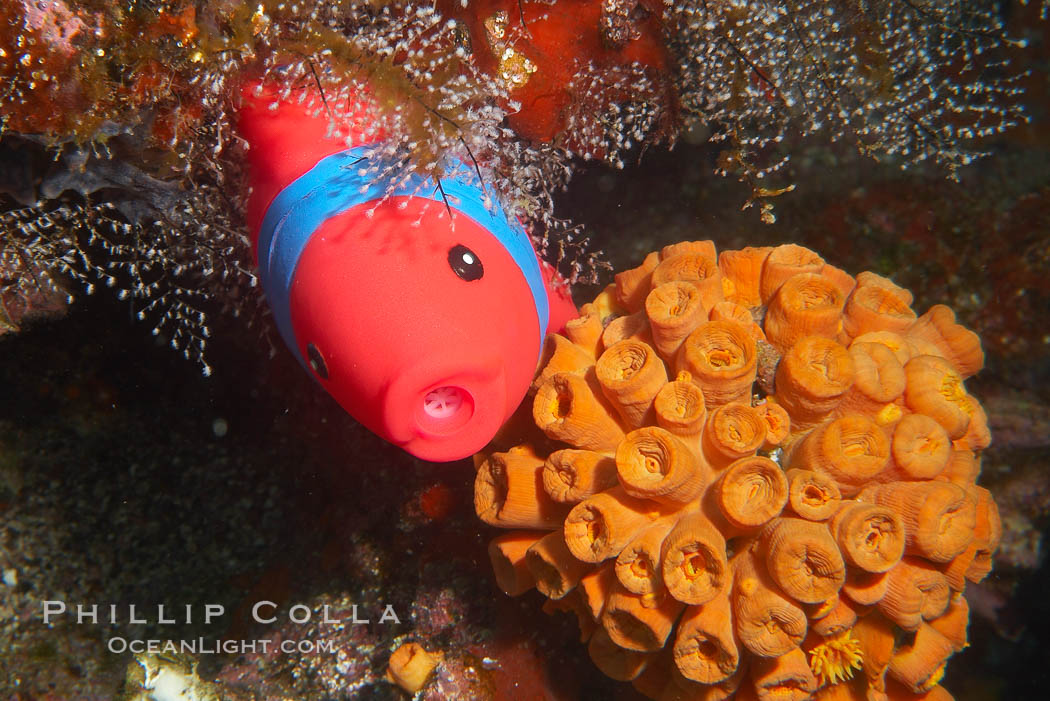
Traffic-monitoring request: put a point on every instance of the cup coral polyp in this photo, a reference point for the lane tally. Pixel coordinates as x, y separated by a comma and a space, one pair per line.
754, 477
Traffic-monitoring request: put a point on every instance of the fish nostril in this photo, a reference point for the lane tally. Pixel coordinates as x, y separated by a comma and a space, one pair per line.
445, 409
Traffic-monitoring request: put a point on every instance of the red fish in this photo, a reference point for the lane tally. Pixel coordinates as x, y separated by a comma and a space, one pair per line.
426, 329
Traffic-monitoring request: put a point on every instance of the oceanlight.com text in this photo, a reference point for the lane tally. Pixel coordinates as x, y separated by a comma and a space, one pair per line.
201, 646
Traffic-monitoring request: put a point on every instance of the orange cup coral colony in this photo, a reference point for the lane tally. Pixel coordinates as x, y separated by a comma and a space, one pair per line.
754, 477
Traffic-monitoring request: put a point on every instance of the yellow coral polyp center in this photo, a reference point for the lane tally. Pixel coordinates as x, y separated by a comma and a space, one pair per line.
754, 489
813, 495
722, 358
888, 414
821, 366
814, 297
652, 464
872, 539
694, 566
595, 531
952, 388
640, 568
834, 660
928, 445
855, 450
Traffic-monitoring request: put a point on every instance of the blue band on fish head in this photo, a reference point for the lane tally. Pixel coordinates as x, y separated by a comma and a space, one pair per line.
337, 183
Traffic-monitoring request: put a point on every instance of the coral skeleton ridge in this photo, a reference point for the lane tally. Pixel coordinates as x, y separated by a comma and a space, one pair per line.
754, 476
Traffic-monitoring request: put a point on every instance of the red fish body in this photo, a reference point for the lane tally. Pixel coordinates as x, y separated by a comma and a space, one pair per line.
427, 330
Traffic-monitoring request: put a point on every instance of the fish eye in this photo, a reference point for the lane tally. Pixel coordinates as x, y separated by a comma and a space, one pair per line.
465, 263
316, 361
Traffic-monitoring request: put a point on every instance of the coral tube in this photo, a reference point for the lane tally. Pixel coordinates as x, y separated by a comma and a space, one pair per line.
570, 475
733, 431
850, 450
630, 374
615, 661
920, 448
767, 623
784, 262
674, 310
812, 378
938, 517
805, 305
812, 495
952, 624
599, 527
697, 269
959, 346
694, 560
915, 591
935, 389
633, 286
920, 665
876, 637
567, 408
654, 464
865, 588
784, 678
640, 622
742, 273
705, 649
871, 537
561, 355
877, 304
638, 564
778, 424
680, 408
803, 559
721, 358
507, 554
595, 588
586, 331
879, 379
553, 567
751, 492
508, 492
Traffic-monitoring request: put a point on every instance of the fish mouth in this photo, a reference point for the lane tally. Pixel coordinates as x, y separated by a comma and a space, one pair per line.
445, 409
445, 416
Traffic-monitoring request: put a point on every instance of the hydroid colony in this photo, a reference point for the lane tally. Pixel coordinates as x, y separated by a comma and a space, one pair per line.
135, 100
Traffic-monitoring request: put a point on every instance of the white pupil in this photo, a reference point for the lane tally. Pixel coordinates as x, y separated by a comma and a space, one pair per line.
468, 259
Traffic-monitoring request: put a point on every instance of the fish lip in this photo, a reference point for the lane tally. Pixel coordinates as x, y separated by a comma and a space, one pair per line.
438, 440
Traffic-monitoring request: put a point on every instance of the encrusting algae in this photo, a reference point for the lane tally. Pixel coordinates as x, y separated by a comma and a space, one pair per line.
720, 536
